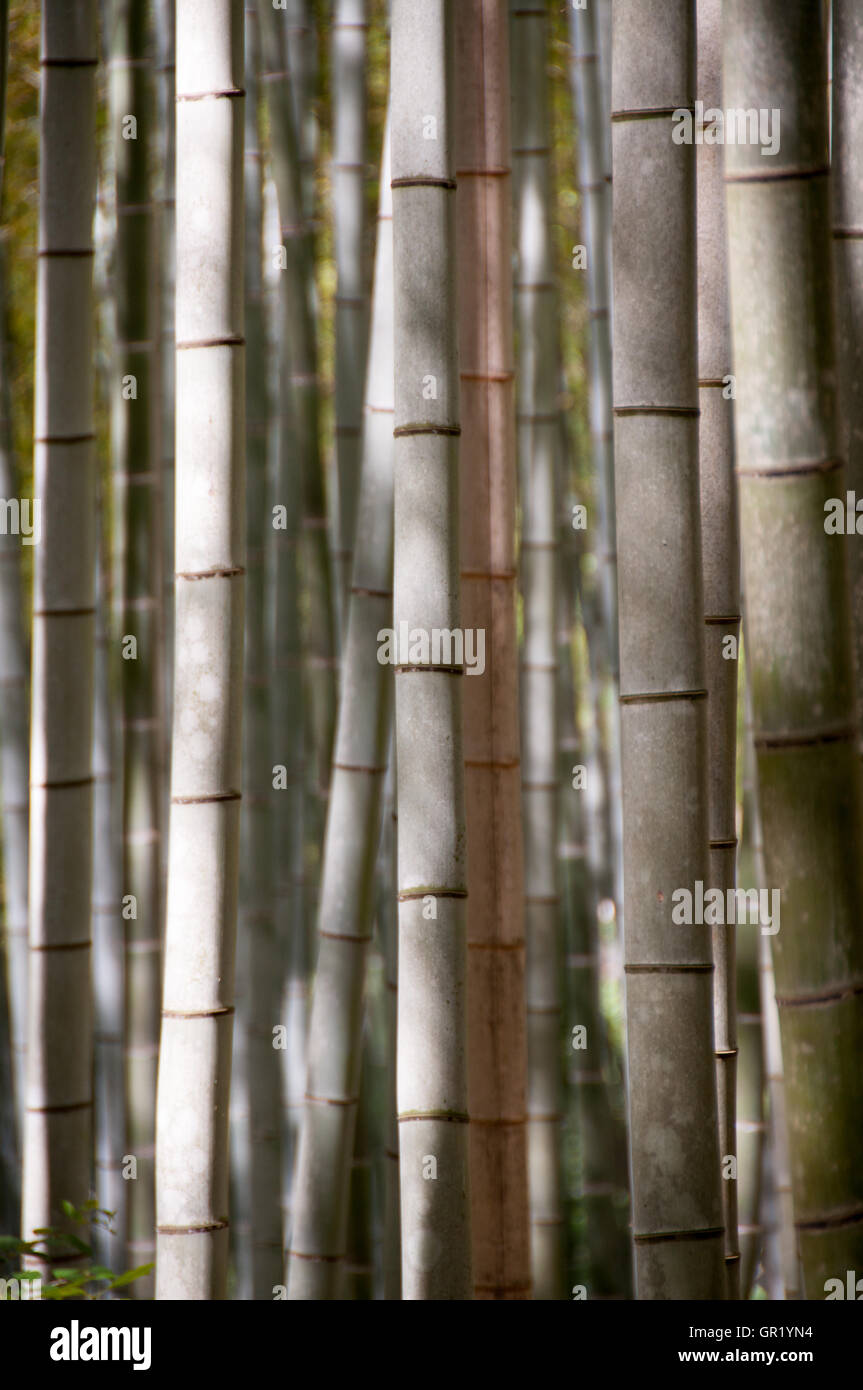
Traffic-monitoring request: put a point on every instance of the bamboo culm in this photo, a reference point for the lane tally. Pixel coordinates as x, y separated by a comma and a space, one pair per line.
676, 1199
432, 872
203, 870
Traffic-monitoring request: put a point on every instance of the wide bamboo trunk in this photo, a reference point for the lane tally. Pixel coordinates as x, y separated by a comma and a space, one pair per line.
58, 1125
798, 609
345, 914
676, 1200
432, 872
350, 98
721, 574
847, 162
497, 1054
195, 1058
537, 451
135, 428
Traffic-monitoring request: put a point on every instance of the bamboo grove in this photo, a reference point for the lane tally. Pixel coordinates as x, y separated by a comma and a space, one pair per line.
431, 649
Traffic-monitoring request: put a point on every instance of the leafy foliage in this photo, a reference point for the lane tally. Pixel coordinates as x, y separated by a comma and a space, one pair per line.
85, 1280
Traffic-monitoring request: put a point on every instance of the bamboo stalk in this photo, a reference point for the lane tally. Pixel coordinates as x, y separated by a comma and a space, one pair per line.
497, 1054
135, 423
537, 451
14, 743
432, 877
349, 95
197, 1016
318, 1241
676, 1201
798, 611
256, 877
58, 1125
721, 578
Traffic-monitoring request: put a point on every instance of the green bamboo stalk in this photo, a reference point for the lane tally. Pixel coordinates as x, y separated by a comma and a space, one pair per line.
135, 406
302, 50
586, 82
318, 1241
497, 1030
537, 450
349, 97
799, 638
847, 162
432, 877
676, 1200
203, 871
57, 1136
594, 1126
721, 584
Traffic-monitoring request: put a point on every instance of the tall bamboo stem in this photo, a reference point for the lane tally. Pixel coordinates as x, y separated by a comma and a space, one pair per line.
197, 1016
318, 1242
497, 1055
721, 575
432, 873
676, 1200
537, 453
58, 1126
798, 609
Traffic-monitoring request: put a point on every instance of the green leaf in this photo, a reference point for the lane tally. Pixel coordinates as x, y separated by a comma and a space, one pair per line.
69, 1209
123, 1279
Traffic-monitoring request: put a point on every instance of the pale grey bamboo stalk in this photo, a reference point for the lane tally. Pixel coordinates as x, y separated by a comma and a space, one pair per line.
14, 741
256, 880
721, 576
348, 85
58, 1124
135, 426
535, 305
847, 162
676, 1200
432, 873
318, 1240
203, 871
800, 643
13, 777
497, 1025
